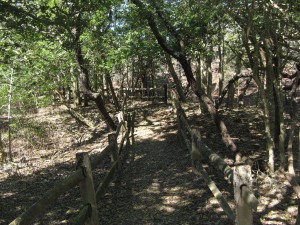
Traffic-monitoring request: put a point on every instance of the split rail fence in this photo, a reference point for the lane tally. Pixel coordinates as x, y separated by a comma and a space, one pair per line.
239, 176
83, 177
159, 94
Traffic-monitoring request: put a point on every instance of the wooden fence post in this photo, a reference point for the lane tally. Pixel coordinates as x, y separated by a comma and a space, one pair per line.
245, 200
87, 190
198, 169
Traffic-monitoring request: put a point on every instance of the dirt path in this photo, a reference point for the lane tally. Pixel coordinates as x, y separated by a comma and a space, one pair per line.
157, 185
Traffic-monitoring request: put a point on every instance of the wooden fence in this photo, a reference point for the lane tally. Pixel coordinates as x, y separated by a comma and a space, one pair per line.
239, 176
83, 177
159, 94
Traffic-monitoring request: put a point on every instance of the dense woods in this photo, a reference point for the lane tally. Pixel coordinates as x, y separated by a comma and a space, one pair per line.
219, 54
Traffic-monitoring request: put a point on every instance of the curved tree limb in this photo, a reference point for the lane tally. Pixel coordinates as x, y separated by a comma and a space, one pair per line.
84, 77
226, 88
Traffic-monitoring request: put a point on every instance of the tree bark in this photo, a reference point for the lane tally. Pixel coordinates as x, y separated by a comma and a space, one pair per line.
229, 85
76, 92
270, 79
279, 119
175, 78
209, 75
210, 106
113, 93
84, 79
254, 58
230, 96
199, 81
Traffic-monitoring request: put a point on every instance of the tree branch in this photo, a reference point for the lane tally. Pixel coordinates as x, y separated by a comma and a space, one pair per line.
168, 26
153, 26
229, 84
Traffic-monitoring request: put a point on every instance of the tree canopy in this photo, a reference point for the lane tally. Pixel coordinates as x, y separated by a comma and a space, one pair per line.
49, 46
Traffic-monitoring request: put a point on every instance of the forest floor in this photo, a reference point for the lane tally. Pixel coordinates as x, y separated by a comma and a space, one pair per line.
156, 184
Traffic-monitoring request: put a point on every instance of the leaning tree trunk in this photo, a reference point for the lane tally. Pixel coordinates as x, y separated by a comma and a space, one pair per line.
96, 97
181, 57
175, 78
84, 79
210, 107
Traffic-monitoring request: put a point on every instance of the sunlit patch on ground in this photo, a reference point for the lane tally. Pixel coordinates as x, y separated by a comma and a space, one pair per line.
156, 184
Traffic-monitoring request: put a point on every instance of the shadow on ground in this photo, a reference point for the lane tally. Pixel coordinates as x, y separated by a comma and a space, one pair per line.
157, 185
154, 186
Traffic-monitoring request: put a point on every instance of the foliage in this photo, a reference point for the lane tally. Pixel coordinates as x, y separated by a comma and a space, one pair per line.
38, 68
38, 42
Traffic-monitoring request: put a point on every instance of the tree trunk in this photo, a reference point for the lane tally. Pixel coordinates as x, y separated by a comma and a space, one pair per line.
204, 75
231, 91
85, 100
9, 113
179, 54
76, 92
84, 79
270, 141
221, 58
291, 169
152, 75
280, 121
230, 96
209, 76
210, 107
275, 102
112, 90
2, 152
270, 79
199, 71
175, 78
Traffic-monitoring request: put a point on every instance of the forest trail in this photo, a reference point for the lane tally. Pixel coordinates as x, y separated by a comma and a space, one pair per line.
156, 184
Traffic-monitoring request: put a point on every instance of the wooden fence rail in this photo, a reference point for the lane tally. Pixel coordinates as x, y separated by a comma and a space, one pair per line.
149, 93
83, 177
239, 176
